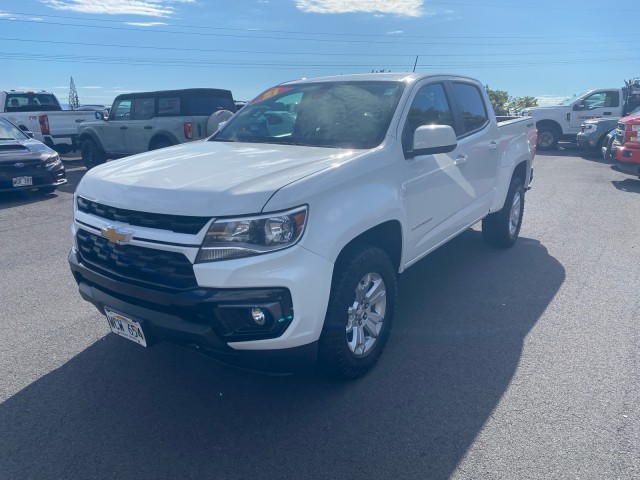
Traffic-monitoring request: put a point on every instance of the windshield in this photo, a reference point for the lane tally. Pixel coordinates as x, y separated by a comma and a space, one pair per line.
8, 131
570, 100
327, 114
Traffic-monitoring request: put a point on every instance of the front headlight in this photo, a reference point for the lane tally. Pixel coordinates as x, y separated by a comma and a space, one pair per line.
52, 161
229, 238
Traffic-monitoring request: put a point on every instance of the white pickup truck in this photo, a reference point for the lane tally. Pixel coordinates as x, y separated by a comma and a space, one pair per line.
563, 121
279, 239
41, 114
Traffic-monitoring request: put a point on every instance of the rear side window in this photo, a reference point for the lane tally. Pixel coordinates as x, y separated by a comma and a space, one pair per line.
31, 102
169, 106
206, 105
144, 108
474, 112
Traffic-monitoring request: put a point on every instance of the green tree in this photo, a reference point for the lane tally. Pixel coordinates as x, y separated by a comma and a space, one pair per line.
499, 100
516, 104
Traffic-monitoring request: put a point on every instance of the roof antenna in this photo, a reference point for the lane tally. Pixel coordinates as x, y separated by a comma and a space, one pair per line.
414, 65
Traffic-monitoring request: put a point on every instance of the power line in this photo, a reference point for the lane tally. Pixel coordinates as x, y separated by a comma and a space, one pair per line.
280, 52
268, 37
336, 34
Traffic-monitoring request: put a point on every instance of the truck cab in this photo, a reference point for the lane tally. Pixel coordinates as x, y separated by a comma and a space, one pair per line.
564, 121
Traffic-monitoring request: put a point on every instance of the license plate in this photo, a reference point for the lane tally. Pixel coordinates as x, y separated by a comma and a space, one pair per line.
22, 181
125, 327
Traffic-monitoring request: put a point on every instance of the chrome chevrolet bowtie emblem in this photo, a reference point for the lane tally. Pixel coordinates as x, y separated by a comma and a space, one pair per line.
115, 235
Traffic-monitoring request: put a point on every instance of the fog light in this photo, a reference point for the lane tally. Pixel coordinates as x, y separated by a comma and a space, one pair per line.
258, 315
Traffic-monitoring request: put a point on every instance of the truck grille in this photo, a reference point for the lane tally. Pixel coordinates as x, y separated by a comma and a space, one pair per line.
174, 223
146, 265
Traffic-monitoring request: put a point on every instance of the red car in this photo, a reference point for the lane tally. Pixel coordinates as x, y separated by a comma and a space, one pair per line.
626, 147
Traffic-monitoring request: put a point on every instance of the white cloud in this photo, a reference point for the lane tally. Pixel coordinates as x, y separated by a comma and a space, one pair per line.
36, 19
91, 87
395, 32
4, 14
409, 8
150, 8
146, 24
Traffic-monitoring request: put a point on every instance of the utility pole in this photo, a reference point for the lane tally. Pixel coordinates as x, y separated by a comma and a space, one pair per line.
73, 96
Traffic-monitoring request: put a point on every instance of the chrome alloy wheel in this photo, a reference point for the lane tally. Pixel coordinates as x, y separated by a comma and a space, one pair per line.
366, 315
545, 139
514, 214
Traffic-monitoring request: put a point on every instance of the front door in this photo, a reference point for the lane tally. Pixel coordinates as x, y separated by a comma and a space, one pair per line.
434, 188
114, 139
603, 103
141, 127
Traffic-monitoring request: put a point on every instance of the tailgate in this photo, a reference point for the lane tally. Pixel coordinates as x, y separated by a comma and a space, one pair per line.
66, 123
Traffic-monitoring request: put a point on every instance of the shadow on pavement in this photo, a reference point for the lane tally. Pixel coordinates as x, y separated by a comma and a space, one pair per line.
627, 185
572, 150
117, 410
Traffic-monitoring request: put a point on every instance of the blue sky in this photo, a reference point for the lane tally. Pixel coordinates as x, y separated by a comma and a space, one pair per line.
548, 49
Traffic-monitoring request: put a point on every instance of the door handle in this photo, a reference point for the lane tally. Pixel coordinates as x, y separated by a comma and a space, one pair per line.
460, 160
493, 146
607, 113
148, 127
123, 127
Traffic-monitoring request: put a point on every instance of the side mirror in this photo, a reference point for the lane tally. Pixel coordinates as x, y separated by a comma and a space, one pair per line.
30, 134
579, 106
99, 116
432, 139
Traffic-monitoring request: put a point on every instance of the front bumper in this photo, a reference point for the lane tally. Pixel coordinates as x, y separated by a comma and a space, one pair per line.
626, 155
587, 140
292, 286
41, 176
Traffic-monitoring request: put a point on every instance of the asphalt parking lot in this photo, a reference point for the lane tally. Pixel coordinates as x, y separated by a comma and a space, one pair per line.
502, 364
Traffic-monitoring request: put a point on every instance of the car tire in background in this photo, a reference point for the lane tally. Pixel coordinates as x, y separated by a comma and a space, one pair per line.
548, 137
159, 143
92, 155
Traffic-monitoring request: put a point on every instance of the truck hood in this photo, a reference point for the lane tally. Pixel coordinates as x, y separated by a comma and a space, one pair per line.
206, 178
533, 111
632, 119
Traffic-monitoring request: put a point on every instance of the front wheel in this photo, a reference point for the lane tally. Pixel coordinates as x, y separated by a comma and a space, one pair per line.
548, 138
501, 229
360, 313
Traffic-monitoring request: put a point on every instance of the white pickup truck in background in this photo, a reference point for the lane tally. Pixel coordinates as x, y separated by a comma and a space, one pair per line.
41, 114
564, 121
279, 240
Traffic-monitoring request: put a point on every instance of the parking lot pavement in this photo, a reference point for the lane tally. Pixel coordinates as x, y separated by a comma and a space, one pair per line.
502, 364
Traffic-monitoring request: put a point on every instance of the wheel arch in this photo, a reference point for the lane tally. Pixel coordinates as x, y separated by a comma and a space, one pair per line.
162, 135
387, 236
549, 124
89, 135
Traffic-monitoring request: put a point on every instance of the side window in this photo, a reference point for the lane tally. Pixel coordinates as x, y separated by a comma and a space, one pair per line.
168, 106
121, 111
429, 107
474, 111
595, 100
612, 99
144, 108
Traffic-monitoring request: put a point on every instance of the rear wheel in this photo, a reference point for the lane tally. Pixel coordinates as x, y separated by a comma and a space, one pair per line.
360, 313
501, 229
91, 154
160, 143
548, 137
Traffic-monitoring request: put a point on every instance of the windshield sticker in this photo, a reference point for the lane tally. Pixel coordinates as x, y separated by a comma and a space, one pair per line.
271, 93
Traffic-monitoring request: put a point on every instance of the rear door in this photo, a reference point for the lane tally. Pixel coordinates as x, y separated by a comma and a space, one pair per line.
200, 105
478, 154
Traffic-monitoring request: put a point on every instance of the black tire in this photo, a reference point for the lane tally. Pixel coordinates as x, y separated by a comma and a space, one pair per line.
336, 357
160, 143
46, 190
607, 153
548, 137
92, 155
498, 228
